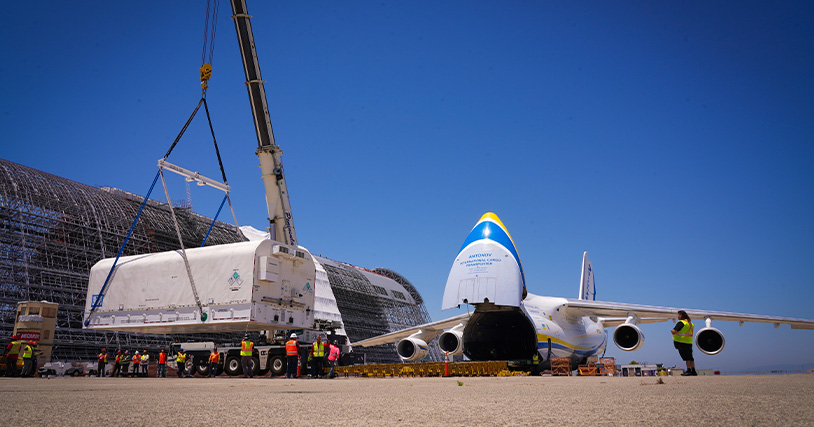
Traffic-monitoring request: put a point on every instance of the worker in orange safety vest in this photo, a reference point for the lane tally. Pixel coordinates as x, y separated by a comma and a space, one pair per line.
117, 364
292, 354
214, 362
162, 364
136, 362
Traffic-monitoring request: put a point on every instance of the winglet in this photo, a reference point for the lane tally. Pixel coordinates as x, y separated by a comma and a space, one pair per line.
586, 281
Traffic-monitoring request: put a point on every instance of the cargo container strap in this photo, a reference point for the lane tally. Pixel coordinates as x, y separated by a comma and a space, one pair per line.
97, 302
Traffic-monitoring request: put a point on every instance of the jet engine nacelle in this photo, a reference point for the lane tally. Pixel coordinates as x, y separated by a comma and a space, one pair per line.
411, 348
710, 341
452, 341
628, 337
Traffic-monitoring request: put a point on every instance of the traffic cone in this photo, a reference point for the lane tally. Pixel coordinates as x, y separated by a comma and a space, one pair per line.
446, 364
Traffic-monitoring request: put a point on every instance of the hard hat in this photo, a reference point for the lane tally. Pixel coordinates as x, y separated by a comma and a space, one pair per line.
104, 349
136, 351
293, 335
245, 337
119, 351
31, 342
181, 350
15, 337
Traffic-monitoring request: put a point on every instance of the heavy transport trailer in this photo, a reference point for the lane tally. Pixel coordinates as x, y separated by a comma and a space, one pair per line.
266, 358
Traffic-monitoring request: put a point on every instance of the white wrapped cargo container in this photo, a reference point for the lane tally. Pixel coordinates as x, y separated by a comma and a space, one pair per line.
243, 286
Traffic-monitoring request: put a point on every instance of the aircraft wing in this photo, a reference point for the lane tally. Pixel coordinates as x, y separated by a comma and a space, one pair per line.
438, 327
614, 314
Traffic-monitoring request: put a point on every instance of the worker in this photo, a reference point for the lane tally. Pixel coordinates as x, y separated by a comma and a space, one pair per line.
124, 370
317, 352
333, 357
12, 354
535, 363
180, 362
682, 340
117, 364
29, 359
292, 357
214, 361
145, 363
246, 349
100, 370
162, 364
136, 363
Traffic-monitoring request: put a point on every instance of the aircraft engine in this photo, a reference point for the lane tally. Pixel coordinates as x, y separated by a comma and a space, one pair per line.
410, 349
452, 341
628, 337
710, 341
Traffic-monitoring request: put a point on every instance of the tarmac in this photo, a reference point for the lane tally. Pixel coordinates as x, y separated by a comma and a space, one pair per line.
466, 401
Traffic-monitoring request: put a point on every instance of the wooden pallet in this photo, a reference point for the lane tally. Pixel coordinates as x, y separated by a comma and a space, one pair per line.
588, 370
608, 366
560, 366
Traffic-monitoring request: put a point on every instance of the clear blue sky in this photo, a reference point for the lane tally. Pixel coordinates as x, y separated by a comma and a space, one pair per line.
672, 141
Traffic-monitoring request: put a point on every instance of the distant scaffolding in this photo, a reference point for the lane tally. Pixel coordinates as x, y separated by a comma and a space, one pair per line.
375, 302
53, 230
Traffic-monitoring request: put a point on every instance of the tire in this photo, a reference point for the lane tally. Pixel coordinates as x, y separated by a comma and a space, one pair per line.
189, 368
203, 370
277, 365
75, 373
232, 366
255, 366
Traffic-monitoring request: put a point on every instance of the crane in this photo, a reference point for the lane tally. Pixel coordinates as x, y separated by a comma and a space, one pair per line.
281, 221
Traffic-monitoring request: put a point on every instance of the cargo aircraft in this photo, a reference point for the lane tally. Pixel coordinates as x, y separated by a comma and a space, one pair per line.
509, 323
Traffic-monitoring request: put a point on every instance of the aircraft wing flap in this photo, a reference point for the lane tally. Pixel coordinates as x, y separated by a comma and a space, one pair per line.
612, 322
574, 307
392, 337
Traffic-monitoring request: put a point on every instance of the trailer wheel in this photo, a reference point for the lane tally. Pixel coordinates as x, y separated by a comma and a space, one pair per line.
189, 368
232, 366
277, 365
255, 366
203, 370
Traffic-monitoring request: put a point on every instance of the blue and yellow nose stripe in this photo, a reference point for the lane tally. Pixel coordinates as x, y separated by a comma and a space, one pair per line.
490, 227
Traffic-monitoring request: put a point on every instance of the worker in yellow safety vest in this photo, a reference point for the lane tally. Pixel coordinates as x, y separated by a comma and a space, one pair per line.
535, 363
246, 362
124, 369
682, 340
317, 353
29, 359
12, 354
292, 353
180, 362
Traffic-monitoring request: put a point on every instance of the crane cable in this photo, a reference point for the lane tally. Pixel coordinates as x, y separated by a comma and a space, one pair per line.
206, 73
209, 38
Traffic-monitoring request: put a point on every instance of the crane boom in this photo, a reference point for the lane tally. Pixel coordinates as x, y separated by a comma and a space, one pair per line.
281, 221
